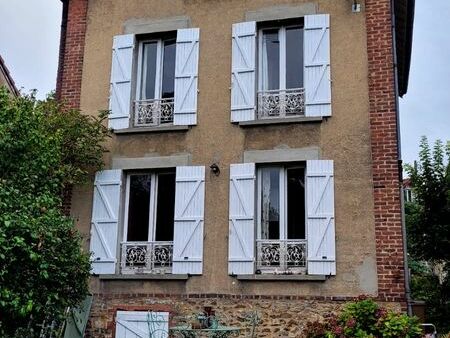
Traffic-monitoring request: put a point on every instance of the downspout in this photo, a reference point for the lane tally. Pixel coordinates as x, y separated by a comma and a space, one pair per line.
399, 154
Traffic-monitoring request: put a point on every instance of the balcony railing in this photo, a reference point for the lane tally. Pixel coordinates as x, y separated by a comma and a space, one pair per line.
146, 257
283, 256
281, 103
148, 113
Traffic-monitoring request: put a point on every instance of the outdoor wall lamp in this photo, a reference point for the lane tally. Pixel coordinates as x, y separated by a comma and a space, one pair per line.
215, 169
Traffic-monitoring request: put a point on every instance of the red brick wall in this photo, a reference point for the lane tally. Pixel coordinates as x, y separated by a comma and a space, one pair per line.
71, 52
385, 154
70, 64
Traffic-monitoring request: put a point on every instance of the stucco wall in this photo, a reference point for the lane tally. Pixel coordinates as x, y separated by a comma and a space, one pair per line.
343, 138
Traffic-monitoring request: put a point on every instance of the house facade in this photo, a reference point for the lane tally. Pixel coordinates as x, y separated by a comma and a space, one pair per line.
254, 162
6, 79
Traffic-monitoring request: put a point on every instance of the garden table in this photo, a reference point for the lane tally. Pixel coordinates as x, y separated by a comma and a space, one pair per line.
220, 332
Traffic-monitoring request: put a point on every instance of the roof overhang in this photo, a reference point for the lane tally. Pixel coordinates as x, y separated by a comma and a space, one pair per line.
7, 75
404, 22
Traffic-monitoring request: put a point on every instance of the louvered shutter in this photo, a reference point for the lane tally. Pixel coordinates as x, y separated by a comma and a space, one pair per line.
320, 217
189, 216
317, 75
243, 85
120, 86
186, 75
142, 324
241, 241
104, 224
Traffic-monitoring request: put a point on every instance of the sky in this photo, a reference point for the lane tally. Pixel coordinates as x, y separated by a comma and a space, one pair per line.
29, 42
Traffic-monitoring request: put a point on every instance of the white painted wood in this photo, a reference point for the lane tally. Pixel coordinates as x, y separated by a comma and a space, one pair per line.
142, 324
317, 76
241, 240
186, 76
243, 85
320, 217
120, 85
104, 224
189, 219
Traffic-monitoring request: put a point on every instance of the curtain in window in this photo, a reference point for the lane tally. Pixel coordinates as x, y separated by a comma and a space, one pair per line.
270, 60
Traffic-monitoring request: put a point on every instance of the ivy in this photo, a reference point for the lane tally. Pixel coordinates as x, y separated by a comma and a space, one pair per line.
44, 148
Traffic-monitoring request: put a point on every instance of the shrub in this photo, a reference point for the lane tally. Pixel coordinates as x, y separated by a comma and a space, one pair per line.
364, 318
43, 149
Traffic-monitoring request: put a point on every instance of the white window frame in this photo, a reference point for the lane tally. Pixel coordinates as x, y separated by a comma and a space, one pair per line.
152, 209
283, 200
141, 68
282, 38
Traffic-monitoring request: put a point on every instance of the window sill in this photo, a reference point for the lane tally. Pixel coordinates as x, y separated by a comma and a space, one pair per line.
145, 277
279, 278
286, 120
158, 129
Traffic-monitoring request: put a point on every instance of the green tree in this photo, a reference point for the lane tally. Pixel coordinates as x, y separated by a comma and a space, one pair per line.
428, 228
44, 148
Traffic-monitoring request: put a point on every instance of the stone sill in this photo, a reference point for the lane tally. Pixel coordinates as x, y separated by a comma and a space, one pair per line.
280, 278
158, 129
286, 120
145, 277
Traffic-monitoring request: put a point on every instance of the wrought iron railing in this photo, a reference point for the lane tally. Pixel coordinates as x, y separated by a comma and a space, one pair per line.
281, 256
153, 112
281, 103
146, 257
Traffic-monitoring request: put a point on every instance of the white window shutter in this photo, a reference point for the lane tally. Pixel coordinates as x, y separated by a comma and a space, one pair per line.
317, 77
142, 324
241, 241
186, 77
189, 216
105, 220
120, 86
320, 217
243, 84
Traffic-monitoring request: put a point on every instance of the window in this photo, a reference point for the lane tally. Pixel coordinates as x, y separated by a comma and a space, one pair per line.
154, 103
280, 71
149, 222
282, 218
408, 195
281, 230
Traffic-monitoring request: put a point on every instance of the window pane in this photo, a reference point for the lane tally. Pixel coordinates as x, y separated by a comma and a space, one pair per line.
294, 58
148, 70
138, 209
270, 60
168, 77
270, 203
296, 203
165, 207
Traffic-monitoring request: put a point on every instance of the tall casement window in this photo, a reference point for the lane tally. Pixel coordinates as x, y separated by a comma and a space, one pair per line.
149, 222
154, 79
281, 231
154, 102
282, 218
281, 69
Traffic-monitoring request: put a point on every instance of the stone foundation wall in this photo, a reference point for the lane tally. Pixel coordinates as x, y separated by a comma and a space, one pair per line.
283, 317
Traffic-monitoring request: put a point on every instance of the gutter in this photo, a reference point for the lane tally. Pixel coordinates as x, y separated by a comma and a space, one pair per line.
400, 167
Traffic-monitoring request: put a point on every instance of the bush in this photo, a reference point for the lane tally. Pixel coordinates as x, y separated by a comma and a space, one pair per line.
364, 318
43, 149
